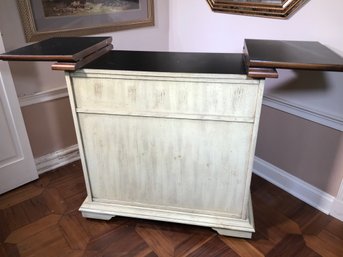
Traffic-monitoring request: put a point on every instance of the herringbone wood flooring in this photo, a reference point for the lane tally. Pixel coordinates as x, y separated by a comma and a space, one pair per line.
41, 219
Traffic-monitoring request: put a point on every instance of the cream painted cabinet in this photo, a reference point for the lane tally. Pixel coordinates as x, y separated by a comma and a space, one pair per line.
171, 146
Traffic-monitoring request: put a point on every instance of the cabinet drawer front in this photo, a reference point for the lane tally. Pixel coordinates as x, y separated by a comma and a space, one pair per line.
200, 165
119, 96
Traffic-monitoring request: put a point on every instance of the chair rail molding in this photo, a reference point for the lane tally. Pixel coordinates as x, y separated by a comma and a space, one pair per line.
57, 159
307, 113
43, 96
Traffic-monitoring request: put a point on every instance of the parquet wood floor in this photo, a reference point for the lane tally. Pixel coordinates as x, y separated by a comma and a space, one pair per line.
41, 219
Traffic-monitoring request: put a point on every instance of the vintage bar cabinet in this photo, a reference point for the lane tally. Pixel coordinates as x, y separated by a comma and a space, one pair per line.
170, 136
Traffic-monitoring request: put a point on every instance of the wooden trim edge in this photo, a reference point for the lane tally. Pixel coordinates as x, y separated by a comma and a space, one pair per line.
72, 66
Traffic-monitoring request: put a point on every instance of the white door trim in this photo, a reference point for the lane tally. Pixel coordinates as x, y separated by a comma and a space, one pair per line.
17, 165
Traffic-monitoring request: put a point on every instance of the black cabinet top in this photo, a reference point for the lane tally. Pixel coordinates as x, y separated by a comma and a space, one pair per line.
66, 49
220, 63
259, 60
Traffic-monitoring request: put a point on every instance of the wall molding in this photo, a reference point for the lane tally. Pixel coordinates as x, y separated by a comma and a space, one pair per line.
43, 96
295, 186
271, 101
57, 159
304, 112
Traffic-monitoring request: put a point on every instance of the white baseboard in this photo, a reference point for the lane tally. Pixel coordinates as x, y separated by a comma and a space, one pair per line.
293, 185
57, 159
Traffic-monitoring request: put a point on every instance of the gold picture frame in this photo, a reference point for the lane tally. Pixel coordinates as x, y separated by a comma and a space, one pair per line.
43, 19
264, 8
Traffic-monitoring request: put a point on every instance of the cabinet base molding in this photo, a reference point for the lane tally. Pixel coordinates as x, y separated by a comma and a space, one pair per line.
234, 233
98, 216
223, 224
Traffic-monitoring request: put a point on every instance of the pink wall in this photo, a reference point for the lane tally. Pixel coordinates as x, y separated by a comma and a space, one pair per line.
49, 126
305, 149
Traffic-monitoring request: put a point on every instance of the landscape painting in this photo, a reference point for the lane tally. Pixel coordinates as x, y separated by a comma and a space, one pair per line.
44, 19
86, 7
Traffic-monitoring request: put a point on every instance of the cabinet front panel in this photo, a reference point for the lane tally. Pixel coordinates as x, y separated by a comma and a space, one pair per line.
166, 97
193, 164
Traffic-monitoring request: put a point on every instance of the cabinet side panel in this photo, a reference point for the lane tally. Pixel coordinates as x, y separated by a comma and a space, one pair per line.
253, 140
70, 87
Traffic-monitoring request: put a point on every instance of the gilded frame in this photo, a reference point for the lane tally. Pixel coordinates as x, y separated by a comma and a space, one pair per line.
143, 16
264, 8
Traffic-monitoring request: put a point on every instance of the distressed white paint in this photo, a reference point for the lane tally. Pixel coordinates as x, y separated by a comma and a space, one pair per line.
168, 146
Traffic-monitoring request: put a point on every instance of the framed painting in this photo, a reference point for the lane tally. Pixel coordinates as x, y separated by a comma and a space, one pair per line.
264, 8
52, 18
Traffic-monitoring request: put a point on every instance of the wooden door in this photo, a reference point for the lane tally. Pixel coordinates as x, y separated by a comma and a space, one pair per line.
17, 165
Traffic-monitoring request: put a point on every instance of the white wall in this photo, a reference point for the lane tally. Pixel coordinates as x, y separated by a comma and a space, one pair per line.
150, 38
194, 27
